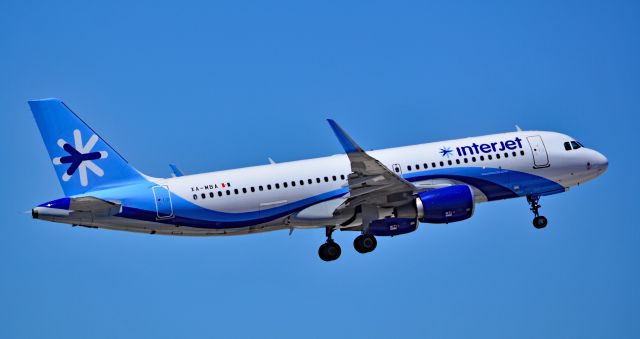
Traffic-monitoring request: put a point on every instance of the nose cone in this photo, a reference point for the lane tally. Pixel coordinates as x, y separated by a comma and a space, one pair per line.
599, 162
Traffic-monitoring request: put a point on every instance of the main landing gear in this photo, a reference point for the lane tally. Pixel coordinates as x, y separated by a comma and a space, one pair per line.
330, 250
539, 221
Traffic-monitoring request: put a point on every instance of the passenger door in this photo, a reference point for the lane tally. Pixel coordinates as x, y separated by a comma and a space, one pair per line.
540, 156
162, 197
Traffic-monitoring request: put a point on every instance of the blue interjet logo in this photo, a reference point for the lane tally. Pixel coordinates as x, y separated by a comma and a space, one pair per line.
446, 152
80, 157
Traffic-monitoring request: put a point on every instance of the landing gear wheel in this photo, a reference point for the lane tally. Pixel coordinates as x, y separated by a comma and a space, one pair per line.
365, 243
329, 251
539, 222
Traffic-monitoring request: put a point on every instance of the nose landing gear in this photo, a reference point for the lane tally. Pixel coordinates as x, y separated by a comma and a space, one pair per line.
539, 221
330, 250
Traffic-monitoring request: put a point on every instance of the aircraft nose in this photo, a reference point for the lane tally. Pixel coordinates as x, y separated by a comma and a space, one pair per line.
599, 162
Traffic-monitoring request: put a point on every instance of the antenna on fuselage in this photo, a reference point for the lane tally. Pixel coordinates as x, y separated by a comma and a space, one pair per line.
518, 128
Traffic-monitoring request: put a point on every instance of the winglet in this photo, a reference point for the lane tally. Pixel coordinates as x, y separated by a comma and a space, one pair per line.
347, 143
176, 171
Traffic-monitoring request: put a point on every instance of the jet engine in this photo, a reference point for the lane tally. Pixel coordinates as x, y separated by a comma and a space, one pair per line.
440, 206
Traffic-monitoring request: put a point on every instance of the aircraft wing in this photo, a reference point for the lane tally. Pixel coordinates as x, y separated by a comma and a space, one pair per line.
371, 182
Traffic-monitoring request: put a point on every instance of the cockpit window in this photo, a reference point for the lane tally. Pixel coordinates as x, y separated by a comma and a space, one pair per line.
575, 145
569, 145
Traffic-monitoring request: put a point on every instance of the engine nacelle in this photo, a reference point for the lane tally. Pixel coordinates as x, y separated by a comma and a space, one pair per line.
445, 205
392, 226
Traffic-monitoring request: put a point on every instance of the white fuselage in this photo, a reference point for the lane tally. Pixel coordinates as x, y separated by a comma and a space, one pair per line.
291, 194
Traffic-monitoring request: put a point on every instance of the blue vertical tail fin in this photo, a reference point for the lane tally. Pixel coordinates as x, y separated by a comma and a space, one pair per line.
83, 161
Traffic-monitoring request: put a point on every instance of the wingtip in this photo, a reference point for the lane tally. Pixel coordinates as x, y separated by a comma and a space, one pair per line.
43, 99
347, 143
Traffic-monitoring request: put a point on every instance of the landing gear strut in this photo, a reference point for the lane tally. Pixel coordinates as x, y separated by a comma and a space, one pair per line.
539, 221
329, 251
365, 243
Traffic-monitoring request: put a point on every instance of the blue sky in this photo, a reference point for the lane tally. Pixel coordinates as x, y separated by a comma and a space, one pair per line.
217, 85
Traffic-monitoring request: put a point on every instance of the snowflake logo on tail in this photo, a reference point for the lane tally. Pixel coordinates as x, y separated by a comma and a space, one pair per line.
446, 152
80, 157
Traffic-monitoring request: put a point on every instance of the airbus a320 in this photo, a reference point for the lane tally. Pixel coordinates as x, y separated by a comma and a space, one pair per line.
379, 193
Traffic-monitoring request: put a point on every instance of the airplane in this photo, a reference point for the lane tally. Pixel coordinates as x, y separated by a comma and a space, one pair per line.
385, 192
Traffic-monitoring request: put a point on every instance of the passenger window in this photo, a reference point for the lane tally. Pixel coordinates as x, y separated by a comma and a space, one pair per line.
228, 192
277, 186
417, 166
522, 153
449, 162
195, 197
408, 167
514, 153
458, 161
489, 157
497, 155
473, 159
326, 179
269, 186
433, 165
219, 193
441, 164
567, 146
425, 165
253, 189
482, 158
244, 190
318, 180
341, 176
203, 196
575, 145
301, 182
397, 169
293, 184
260, 188
466, 160
310, 181
285, 184
506, 155
334, 178
210, 194
235, 191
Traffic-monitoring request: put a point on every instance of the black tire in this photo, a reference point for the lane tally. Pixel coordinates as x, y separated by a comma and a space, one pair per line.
357, 244
333, 250
365, 243
369, 243
322, 252
329, 251
540, 222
